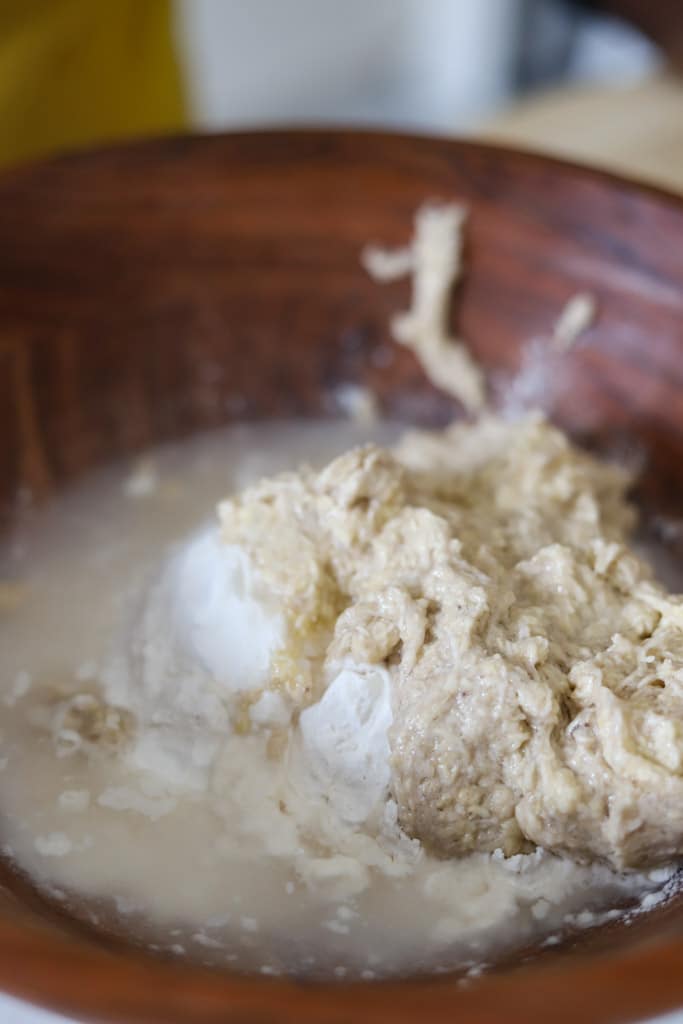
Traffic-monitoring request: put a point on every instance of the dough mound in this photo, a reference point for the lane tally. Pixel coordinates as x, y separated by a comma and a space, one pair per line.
536, 666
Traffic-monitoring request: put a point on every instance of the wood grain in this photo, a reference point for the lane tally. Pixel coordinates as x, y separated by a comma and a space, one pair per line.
152, 291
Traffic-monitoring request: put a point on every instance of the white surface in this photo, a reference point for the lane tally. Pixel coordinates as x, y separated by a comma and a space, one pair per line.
14, 1012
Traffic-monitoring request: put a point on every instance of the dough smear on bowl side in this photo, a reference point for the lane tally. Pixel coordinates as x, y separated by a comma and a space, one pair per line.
435, 262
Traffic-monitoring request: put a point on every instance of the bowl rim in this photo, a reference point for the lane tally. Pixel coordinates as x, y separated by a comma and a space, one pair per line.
305, 130
125, 985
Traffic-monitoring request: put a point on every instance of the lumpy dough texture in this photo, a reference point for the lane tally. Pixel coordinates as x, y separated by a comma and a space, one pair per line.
536, 666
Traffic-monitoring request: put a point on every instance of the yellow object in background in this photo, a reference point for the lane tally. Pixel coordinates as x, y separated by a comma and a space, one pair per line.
74, 72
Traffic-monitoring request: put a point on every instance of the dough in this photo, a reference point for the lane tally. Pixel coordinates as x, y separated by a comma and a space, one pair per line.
536, 667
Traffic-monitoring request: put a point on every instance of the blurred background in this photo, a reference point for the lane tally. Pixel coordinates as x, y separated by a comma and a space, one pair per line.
594, 81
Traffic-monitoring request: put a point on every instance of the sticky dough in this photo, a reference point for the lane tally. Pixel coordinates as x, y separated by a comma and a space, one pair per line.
536, 668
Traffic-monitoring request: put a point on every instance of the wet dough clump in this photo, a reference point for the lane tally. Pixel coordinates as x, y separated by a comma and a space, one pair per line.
536, 666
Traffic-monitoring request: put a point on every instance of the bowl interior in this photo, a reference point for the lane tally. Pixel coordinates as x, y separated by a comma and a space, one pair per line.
153, 291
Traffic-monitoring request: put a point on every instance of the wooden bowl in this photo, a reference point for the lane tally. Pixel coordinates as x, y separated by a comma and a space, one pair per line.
151, 291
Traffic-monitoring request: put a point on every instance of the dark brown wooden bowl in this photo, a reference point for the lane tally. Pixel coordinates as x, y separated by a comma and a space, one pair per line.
151, 291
